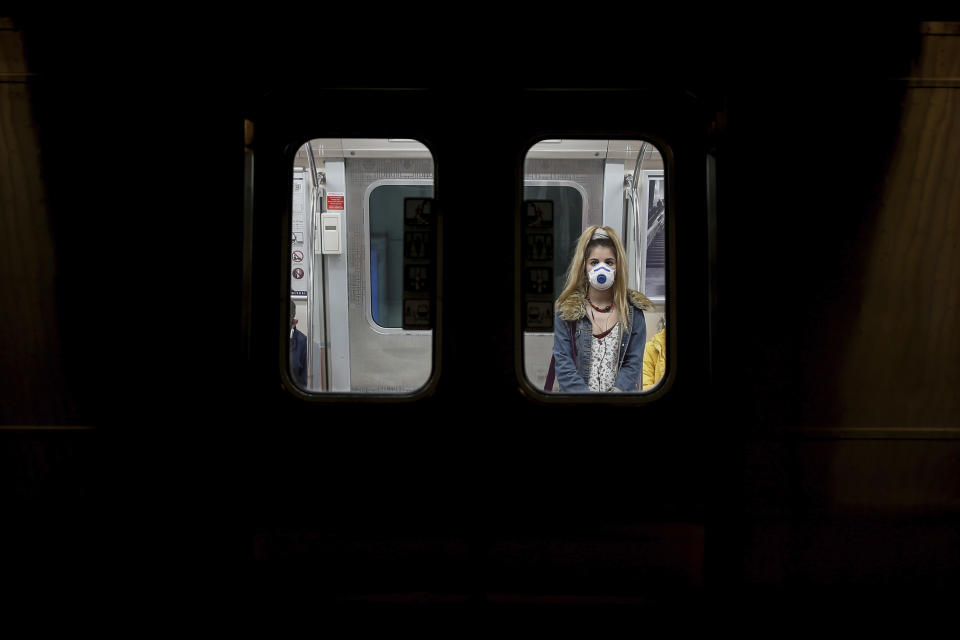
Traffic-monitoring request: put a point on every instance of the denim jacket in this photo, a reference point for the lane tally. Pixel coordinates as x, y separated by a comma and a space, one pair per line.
572, 372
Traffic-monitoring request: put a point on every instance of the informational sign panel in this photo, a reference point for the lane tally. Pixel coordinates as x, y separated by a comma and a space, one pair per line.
336, 201
298, 250
537, 258
419, 263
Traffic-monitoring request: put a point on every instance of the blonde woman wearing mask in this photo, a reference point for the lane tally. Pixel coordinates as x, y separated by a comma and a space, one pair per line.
599, 328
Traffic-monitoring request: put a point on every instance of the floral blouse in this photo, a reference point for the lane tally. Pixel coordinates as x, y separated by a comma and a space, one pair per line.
603, 368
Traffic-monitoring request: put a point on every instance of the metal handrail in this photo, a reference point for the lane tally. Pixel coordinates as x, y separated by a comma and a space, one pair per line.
639, 163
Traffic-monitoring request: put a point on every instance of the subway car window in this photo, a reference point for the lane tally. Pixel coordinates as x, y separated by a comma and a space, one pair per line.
362, 266
564, 206
387, 249
594, 273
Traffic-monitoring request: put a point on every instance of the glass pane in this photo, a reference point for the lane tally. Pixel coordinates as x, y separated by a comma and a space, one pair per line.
362, 264
594, 205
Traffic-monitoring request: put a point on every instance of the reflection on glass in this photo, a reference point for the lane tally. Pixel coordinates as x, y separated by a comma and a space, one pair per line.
362, 266
593, 276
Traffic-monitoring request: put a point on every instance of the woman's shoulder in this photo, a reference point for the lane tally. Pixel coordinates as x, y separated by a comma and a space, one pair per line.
639, 300
573, 307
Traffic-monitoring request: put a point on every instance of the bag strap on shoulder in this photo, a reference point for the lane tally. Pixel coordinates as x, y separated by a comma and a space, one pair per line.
552, 371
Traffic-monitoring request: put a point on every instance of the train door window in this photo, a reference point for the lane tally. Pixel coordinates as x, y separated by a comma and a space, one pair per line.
613, 188
387, 249
363, 266
564, 203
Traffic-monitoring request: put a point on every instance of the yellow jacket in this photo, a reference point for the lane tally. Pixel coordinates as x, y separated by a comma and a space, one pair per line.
654, 359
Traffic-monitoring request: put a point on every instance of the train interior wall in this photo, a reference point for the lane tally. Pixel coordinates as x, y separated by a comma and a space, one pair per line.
140, 443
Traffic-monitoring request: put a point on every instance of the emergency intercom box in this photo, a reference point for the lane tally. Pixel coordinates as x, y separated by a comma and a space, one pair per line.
330, 235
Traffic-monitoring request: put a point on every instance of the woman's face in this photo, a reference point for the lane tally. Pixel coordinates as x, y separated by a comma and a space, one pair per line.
600, 255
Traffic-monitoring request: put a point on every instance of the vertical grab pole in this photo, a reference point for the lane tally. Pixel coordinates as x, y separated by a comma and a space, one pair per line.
632, 213
640, 230
315, 266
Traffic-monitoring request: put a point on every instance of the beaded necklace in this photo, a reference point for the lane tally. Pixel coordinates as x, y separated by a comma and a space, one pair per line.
605, 309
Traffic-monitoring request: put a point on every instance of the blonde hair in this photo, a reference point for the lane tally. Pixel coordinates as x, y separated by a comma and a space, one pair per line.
577, 271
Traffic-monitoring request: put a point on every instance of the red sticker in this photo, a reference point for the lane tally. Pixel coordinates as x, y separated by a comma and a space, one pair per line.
335, 202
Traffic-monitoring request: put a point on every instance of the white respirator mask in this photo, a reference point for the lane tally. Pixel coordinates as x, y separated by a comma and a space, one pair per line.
601, 277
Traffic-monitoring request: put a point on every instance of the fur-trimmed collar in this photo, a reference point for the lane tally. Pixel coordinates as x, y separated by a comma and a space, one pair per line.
575, 307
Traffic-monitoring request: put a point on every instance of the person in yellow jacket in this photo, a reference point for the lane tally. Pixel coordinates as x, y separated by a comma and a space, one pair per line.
654, 359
